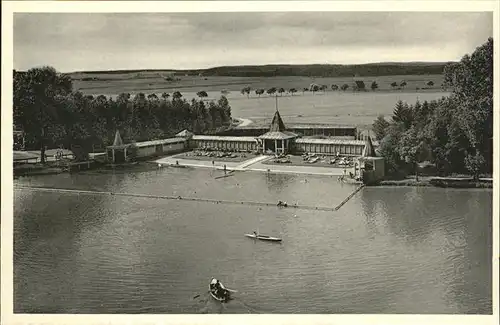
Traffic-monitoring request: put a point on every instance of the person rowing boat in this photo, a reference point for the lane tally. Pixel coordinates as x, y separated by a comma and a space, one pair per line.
218, 291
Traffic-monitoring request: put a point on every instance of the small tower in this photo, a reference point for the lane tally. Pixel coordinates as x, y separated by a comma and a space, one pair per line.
118, 139
369, 151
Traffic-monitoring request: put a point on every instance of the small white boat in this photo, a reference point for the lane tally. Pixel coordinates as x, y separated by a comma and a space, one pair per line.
263, 237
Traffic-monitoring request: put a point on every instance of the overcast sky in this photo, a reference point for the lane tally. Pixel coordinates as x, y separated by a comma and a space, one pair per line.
96, 41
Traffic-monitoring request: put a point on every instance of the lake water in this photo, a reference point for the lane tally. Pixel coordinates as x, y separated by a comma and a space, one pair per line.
387, 250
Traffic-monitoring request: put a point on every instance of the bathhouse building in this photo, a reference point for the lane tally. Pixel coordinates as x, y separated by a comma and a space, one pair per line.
120, 152
277, 139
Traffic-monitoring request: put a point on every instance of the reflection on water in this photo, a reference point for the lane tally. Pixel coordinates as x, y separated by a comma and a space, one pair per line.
387, 250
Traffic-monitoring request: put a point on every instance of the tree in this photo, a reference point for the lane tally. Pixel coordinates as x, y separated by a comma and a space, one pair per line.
37, 94
292, 91
388, 149
402, 114
304, 90
323, 88
246, 90
403, 84
153, 97
202, 94
271, 91
176, 95
314, 88
259, 91
471, 82
410, 146
379, 127
394, 84
344, 87
281, 91
335, 87
430, 83
165, 96
475, 164
359, 85
374, 86
79, 121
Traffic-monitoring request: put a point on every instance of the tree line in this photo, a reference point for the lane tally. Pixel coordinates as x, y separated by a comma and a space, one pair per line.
358, 85
51, 114
322, 70
456, 132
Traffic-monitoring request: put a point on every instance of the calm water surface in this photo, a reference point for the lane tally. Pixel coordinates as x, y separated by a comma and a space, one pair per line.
388, 250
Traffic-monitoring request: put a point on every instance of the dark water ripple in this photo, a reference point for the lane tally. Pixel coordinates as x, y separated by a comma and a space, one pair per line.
388, 250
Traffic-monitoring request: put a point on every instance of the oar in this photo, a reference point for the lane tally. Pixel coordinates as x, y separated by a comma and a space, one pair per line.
198, 295
231, 290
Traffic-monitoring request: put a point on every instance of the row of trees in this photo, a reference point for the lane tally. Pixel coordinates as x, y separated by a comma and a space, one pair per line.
358, 85
51, 114
456, 132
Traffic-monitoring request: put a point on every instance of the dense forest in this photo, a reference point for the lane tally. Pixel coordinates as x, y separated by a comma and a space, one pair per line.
309, 70
51, 114
455, 133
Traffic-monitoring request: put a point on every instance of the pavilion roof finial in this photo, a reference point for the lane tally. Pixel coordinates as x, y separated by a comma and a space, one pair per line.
118, 139
277, 124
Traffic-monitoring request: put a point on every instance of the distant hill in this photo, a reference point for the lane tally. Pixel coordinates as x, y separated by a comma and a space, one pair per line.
306, 70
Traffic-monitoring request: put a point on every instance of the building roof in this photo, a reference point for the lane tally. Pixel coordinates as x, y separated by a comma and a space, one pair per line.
277, 124
331, 141
118, 139
185, 134
297, 126
158, 142
369, 151
24, 155
277, 135
223, 138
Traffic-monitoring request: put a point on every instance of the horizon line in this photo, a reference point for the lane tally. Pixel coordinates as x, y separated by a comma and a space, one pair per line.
244, 65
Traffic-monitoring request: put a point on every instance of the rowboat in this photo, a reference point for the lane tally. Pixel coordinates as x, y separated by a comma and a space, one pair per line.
223, 294
263, 237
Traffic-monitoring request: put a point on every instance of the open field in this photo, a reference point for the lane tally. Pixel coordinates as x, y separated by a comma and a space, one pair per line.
154, 82
359, 109
332, 107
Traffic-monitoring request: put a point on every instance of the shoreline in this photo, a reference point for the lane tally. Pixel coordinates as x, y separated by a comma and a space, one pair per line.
258, 164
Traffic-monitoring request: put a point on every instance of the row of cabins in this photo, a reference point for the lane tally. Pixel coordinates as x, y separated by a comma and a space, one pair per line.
299, 129
119, 153
301, 145
276, 140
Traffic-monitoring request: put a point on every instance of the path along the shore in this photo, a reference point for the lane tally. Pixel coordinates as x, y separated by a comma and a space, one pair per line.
253, 164
244, 121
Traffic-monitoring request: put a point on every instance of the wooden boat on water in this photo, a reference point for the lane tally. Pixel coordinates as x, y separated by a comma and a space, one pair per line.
263, 237
218, 291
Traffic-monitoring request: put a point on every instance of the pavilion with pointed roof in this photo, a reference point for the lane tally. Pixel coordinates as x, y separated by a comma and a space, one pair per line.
117, 153
278, 139
370, 168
